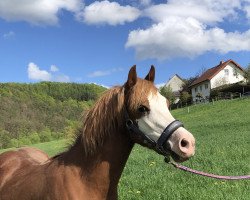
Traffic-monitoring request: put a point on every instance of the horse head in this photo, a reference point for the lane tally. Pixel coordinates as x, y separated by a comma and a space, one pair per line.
150, 122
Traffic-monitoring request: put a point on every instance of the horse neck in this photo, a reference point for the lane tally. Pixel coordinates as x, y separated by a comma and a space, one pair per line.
100, 171
103, 166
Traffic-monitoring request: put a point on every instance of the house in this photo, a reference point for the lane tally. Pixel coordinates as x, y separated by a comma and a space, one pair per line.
175, 83
225, 73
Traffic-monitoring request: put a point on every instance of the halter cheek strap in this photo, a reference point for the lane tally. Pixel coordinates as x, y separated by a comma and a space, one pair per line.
132, 127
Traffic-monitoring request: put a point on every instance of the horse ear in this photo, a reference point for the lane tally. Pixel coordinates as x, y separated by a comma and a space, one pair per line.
151, 74
132, 77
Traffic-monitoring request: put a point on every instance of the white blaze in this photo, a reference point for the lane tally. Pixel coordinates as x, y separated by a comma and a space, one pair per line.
158, 118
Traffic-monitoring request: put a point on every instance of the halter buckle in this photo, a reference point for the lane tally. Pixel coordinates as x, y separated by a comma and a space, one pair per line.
129, 124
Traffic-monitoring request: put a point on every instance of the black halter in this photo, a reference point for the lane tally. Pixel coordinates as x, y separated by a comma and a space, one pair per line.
132, 127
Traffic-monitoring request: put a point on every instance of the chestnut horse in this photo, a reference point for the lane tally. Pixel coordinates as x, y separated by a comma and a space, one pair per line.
91, 168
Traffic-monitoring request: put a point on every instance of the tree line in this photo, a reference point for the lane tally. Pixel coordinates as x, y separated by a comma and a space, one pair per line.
39, 112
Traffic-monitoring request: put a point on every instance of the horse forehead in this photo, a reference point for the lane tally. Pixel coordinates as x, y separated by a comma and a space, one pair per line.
157, 101
155, 97
144, 89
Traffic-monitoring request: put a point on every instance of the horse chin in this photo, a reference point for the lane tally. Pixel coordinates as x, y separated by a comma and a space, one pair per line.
177, 158
173, 155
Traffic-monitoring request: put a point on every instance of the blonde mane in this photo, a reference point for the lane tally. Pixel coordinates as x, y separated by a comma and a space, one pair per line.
103, 119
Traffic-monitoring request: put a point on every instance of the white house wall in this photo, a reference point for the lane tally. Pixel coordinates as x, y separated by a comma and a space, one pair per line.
175, 84
203, 89
221, 78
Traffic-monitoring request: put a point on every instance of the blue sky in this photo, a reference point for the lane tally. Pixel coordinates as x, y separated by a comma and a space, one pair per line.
98, 41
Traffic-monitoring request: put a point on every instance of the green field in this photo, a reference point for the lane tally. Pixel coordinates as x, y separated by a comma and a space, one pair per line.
51, 148
222, 133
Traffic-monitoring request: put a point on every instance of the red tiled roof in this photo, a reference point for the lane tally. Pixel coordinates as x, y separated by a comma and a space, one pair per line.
210, 73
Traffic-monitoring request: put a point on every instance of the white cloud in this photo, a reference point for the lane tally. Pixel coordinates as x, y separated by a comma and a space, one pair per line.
99, 73
34, 73
179, 28
178, 37
205, 11
247, 10
187, 29
38, 11
145, 2
8, 35
111, 13
54, 68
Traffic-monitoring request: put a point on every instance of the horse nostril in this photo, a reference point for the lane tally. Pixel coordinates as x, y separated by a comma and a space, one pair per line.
184, 143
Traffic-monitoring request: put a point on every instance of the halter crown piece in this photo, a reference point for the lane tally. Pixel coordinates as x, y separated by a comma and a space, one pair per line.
132, 127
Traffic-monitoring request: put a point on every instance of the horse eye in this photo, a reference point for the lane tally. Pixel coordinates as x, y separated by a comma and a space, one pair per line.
143, 109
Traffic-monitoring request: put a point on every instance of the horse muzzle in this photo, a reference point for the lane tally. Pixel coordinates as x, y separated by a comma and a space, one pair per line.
178, 144
181, 145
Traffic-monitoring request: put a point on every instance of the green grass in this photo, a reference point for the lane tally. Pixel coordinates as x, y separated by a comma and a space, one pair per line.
51, 148
222, 133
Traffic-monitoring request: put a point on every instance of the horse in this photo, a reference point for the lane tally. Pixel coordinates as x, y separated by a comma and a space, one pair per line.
91, 167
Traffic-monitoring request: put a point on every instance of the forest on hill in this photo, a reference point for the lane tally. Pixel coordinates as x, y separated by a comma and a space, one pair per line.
39, 112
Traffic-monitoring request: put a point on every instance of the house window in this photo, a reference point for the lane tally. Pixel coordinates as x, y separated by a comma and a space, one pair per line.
206, 86
201, 88
226, 72
236, 74
195, 89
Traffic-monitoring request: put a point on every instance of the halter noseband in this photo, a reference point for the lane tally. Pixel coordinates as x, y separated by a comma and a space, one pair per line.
132, 127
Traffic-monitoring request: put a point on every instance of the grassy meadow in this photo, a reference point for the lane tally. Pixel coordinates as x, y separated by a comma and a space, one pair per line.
222, 133
51, 148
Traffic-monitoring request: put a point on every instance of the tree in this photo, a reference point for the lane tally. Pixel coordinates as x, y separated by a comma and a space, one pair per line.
167, 92
45, 135
4, 139
185, 97
214, 94
187, 83
40, 111
201, 71
247, 74
34, 138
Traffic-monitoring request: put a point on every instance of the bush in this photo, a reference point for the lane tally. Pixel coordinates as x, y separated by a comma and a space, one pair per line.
167, 92
24, 141
57, 135
247, 74
4, 139
34, 138
45, 135
185, 98
14, 143
214, 94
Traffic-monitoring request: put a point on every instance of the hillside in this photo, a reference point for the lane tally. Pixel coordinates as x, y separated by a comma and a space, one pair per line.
31, 113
